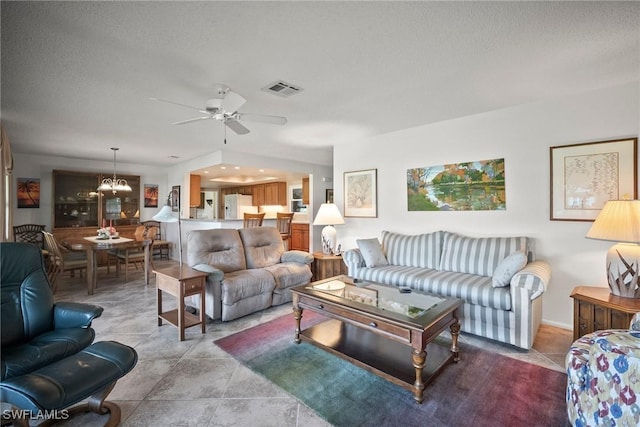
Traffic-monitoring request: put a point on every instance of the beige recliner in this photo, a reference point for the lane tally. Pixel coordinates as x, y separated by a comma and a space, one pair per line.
249, 270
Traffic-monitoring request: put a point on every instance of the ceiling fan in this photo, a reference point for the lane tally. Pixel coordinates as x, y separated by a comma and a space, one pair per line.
224, 108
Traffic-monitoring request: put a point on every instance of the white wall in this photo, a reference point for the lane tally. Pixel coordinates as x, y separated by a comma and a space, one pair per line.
522, 136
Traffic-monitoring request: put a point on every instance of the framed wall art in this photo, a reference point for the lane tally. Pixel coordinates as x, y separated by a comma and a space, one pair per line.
28, 191
175, 198
150, 195
361, 193
585, 176
466, 186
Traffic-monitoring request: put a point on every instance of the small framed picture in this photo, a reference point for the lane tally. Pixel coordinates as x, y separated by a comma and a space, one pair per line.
150, 195
28, 190
329, 195
175, 198
360, 194
585, 176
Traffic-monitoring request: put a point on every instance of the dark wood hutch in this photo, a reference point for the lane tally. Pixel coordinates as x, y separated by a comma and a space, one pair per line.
79, 209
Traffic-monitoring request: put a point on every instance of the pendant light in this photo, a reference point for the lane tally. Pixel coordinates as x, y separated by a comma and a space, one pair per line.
114, 184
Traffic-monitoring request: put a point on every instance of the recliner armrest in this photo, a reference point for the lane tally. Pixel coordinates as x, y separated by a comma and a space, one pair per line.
215, 273
301, 257
68, 314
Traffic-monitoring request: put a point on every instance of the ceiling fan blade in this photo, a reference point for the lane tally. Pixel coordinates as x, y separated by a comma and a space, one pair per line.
232, 102
182, 122
237, 127
176, 103
263, 118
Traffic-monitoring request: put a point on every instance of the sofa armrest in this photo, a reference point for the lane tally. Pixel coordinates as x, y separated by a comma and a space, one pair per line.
534, 277
354, 260
67, 314
215, 274
300, 257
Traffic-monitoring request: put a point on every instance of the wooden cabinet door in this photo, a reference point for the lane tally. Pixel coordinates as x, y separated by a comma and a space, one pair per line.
194, 190
305, 191
259, 194
299, 237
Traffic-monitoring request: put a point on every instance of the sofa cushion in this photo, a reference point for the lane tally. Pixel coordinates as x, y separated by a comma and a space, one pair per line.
221, 248
262, 246
289, 274
507, 268
396, 275
421, 250
244, 284
479, 256
372, 252
471, 288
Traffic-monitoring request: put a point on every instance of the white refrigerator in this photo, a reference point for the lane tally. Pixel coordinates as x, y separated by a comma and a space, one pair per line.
235, 205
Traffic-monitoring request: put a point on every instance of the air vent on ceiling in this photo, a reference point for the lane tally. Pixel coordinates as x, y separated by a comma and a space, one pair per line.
282, 88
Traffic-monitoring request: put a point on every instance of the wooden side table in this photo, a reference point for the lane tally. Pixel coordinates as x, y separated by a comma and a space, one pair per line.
595, 309
181, 283
325, 266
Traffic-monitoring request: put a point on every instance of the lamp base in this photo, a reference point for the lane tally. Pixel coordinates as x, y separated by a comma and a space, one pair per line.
329, 240
623, 260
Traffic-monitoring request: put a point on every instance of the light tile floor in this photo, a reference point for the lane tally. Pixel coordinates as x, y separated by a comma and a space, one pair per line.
194, 383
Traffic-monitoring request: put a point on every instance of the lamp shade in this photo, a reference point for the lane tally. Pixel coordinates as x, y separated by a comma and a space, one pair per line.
328, 214
165, 215
619, 221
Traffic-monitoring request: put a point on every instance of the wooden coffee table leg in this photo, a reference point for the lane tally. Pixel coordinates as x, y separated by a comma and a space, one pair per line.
419, 358
297, 314
455, 331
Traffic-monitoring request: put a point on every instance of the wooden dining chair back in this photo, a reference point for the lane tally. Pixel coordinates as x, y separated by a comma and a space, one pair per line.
253, 219
29, 233
135, 256
160, 247
283, 224
61, 260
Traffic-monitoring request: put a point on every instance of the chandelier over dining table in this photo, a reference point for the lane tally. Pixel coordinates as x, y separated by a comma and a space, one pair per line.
114, 184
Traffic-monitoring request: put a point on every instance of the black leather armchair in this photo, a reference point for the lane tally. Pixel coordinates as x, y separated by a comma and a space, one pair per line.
35, 331
47, 357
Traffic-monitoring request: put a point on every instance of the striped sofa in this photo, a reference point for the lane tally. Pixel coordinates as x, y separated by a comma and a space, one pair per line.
449, 264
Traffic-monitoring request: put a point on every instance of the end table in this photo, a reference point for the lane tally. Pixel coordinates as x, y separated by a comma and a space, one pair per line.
325, 266
597, 309
180, 282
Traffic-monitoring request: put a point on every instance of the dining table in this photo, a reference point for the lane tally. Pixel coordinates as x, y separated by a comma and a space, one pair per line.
91, 245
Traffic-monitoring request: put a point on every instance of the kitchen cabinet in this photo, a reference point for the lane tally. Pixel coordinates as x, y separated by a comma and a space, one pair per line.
299, 237
258, 194
305, 191
194, 190
275, 193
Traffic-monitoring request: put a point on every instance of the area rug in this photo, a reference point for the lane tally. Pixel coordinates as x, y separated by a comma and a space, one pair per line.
483, 389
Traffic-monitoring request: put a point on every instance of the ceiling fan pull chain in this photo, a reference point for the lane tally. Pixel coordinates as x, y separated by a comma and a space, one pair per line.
225, 132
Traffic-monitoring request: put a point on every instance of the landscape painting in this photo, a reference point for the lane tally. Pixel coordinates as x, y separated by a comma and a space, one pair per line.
468, 186
28, 190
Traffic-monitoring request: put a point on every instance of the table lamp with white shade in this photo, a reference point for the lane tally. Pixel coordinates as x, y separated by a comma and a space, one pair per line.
328, 215
166, 215
619, 221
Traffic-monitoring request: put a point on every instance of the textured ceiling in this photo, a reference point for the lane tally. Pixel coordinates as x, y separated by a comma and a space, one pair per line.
77, 76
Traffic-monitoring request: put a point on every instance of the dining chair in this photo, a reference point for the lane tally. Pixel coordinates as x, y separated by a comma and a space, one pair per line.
160, 247
29, 233
253, 219
135, 255
283, 224
61, 260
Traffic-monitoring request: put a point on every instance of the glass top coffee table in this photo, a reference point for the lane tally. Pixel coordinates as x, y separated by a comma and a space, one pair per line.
381, 329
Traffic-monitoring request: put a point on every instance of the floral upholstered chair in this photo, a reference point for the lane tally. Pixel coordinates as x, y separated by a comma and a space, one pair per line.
603, 384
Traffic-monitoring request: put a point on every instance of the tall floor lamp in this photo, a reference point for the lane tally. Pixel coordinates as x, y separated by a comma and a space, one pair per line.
166, 215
